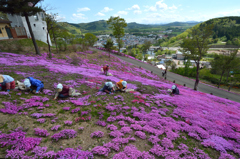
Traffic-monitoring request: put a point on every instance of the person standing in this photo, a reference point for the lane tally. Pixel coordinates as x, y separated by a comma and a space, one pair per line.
6, 83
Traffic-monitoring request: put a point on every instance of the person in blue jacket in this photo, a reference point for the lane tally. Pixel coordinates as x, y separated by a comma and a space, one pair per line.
33, 84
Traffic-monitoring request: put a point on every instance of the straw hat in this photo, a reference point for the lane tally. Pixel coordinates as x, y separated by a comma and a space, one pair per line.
1, 78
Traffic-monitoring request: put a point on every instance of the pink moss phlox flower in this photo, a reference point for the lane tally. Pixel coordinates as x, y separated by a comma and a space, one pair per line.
55, 128
75, 110
101, 123
49, 115
11, 108
66, 108
132, 152
74, 153
37, 115
100, 150
66, 134
41, 120
140, 134
167, 143
81, 128
153, 139
126, 130
116, 133
112, 127
41, 132
67, 122
97, 134
111, 119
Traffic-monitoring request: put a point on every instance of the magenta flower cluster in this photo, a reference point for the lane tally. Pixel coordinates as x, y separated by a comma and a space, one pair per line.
66, 134
41, 132
97, 134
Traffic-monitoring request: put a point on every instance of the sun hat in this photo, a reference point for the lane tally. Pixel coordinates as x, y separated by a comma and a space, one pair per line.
173, 87
1, 79
109, 84
124, 83
27, 83
59, 87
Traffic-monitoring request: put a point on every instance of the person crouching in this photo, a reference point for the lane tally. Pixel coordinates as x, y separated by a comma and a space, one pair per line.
121, 86
6, 83
108, 88
64, 91
34, 85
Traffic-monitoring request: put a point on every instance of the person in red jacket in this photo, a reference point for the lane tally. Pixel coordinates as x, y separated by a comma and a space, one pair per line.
105, 69
64, 91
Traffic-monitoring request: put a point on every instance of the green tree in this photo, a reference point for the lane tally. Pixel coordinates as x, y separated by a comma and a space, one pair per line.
3, 16
24, 8
133, 52
146, 57
196, 46
117, 25
90, 39
146, 45
139, 56
109, 46
225, 63
51, 26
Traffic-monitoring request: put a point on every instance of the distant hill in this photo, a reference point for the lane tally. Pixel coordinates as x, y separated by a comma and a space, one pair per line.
190, 23
102, 27
226, 29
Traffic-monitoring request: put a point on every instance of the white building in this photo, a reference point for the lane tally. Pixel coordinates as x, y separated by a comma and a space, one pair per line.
39, 26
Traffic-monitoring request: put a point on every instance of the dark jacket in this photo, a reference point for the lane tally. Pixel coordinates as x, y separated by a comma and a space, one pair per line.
37, 83
65, 90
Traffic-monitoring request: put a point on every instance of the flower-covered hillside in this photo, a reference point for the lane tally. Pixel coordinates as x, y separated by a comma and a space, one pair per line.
144, 123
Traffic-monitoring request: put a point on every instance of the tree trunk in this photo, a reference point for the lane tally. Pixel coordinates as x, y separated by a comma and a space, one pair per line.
227, 76
197, 78
220, 78
55, 41
49, 47
32, 35
231, 85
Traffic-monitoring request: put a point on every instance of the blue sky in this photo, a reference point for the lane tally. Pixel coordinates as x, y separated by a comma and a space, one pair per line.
143, 11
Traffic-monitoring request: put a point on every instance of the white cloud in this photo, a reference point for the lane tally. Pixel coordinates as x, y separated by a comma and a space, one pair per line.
134, 7
83, 9
161, 5
173, 7
137, 12
100, 14
158, 6
122, 13
78, 16
60, 18
106, 9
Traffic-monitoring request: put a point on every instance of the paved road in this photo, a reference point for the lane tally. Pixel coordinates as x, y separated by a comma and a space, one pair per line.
183, 80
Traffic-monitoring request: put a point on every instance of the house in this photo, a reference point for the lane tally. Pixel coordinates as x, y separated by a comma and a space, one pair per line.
5, 32
179, 55
39, 26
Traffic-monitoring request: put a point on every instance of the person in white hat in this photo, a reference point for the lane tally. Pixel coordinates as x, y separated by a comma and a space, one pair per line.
6, 83
175, 90
108, 88
64, 91
121, 85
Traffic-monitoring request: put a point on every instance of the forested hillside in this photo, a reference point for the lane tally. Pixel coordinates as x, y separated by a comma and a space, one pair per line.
226, 29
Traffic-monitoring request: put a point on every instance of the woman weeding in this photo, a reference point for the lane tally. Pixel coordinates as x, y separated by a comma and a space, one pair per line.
6, 83
121, 86
108, 88
63, 91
